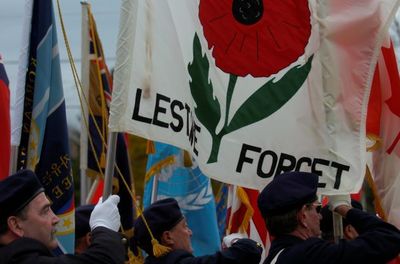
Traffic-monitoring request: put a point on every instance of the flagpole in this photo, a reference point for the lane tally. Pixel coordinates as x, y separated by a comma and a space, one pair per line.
337, 227
13, 159
84, 180
154, 189
110, 161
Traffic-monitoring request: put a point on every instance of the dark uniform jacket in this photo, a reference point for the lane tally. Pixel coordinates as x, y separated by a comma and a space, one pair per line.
244, 251
106, 247
378, 242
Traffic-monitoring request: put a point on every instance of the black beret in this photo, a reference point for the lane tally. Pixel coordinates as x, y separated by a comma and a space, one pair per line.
16, 191
288, 191
161, 216
82, 216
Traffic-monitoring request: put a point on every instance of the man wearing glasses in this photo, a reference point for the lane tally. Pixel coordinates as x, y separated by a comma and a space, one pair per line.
291, 211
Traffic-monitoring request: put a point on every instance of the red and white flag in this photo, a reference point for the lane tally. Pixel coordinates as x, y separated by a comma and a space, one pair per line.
244, 217
383, 126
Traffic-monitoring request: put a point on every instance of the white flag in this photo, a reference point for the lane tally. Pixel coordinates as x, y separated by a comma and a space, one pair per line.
252, 88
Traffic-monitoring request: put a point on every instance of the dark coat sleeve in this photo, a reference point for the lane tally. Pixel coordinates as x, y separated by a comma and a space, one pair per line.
106, 247
378, 242
244, 251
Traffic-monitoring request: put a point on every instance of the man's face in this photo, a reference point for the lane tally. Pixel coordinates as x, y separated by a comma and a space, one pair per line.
181, 235
313, 218
40, 221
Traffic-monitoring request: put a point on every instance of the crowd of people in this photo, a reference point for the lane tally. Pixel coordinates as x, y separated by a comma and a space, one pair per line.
288, 204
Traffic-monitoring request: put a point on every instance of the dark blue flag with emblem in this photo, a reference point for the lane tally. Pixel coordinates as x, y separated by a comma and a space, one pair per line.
44, 137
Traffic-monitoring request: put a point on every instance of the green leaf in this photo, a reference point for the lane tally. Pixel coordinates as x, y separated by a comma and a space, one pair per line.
207, 108
269, 98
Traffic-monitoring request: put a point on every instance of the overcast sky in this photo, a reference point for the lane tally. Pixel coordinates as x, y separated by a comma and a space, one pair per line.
106, 14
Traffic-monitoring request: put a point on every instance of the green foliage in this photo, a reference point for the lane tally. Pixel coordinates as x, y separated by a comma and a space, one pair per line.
207, 107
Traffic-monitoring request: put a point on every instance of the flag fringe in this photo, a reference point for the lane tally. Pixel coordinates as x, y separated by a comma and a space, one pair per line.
249, 209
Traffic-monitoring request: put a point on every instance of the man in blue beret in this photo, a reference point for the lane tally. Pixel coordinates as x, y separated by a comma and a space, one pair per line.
82, 227
28, 226
168, 226
290, 208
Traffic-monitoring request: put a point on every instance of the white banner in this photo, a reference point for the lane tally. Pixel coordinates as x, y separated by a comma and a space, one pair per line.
252, 88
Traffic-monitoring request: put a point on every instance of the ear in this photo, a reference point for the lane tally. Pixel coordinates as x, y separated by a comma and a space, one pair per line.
350, 232
88, 238
14, 226
167, 239
301, 216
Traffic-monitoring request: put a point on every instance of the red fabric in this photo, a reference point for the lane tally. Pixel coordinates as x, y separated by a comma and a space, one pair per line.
97, 193
236, 212
258, 38
5, 138
374, 106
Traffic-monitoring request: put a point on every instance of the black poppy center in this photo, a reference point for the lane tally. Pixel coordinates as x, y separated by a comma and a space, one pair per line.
247, 12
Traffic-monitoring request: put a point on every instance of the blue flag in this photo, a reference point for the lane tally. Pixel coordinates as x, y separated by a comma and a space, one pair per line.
44, 138
191, 188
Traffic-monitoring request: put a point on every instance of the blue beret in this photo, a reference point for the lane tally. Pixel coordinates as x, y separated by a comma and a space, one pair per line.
288, 191
16, 191
82, 216
161, 216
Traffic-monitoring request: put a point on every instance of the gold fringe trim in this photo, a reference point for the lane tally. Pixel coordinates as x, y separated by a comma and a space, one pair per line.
150, 148
378, 203
134, 259
158, 166
376, 142
241, 193
187, 159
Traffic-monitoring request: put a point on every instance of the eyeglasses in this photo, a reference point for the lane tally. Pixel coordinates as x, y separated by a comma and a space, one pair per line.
317, 205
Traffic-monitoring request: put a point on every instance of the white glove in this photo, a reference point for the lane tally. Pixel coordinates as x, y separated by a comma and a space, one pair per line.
106, 214
336, 200
229, 240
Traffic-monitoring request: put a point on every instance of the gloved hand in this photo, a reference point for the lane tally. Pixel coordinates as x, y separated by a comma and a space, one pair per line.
106, 214
229, 240
336, 200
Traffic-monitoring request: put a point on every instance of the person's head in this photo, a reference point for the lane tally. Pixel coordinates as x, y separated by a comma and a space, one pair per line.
167, 225
289, 204
82, 228
349, 232
25, 210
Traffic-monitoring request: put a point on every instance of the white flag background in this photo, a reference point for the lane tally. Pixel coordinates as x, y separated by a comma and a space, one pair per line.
252, 88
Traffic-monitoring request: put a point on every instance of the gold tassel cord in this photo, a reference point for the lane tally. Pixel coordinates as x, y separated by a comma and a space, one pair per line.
158, 249
81, 95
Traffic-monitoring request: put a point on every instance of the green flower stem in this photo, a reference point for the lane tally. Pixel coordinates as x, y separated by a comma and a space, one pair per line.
231, 87
216, 142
